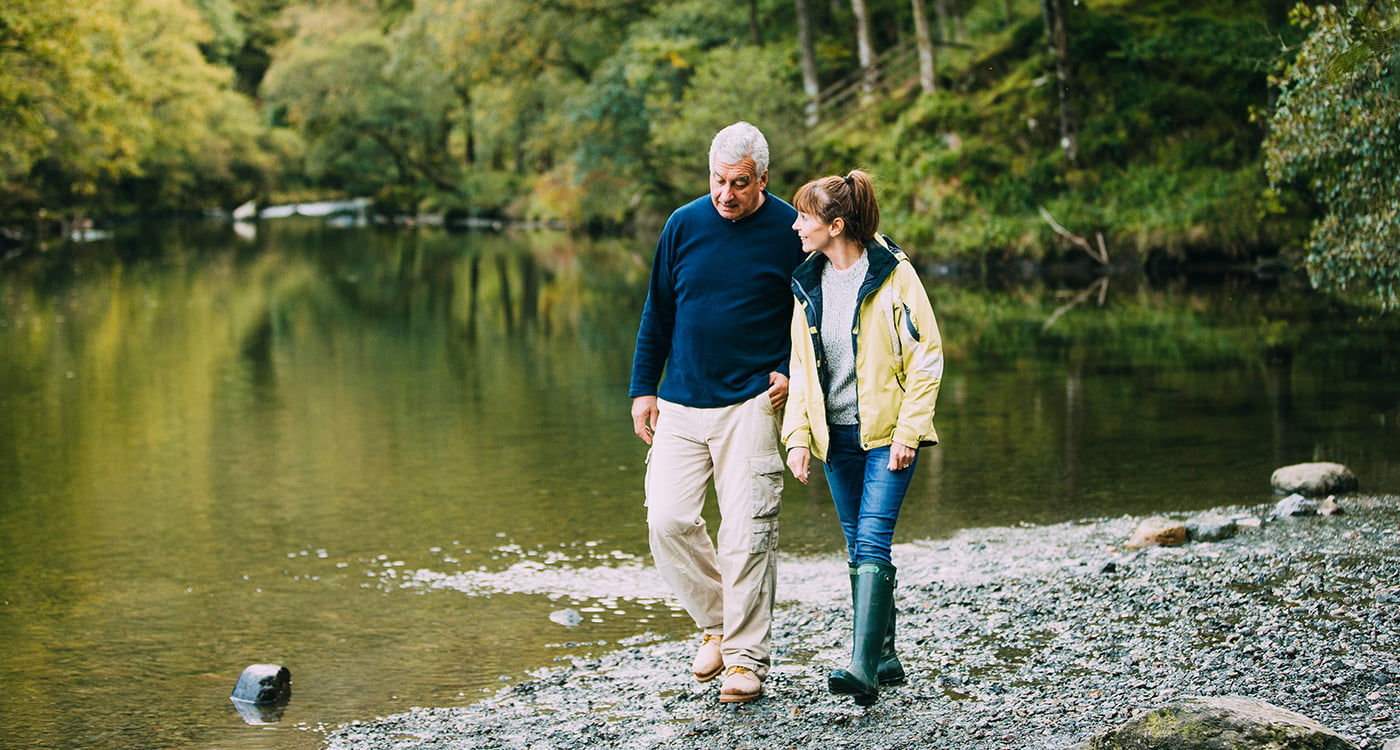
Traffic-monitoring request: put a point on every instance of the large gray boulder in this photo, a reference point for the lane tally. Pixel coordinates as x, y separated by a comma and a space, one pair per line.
1219, 723
1314, 479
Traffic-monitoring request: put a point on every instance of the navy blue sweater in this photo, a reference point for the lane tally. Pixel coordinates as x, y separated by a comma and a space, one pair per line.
717, 313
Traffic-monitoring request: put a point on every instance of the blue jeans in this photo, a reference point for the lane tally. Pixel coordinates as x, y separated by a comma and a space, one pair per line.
866, 493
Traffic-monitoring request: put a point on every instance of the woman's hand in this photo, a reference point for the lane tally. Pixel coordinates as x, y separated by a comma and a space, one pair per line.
901, 456
799, 460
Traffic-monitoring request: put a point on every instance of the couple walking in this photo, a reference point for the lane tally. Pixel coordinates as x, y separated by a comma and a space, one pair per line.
780, 325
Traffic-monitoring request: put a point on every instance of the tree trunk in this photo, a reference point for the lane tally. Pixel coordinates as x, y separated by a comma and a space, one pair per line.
928, 63
464, 96
811, 86
753, 24
944, 29
1058, 37
865, 49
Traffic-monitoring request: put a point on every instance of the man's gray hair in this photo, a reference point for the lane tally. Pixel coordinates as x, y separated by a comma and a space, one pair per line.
741, 139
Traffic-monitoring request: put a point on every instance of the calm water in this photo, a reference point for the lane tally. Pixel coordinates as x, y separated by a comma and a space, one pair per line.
362, 454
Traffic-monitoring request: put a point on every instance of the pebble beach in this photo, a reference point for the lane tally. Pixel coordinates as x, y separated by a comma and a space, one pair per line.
1026, 636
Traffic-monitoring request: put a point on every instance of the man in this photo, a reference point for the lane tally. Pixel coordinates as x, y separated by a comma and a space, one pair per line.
716, 321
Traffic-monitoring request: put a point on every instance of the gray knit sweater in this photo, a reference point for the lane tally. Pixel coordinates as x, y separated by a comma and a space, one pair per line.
839, 290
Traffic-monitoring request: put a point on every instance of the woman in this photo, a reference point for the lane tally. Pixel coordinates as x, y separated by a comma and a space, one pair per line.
867, 361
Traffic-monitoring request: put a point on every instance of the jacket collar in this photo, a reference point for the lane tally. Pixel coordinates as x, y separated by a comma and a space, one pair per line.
884, 255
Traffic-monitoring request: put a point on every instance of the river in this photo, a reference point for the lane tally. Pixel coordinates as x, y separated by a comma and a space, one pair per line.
390, 460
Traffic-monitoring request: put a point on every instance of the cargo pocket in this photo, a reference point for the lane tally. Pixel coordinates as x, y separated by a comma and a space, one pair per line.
646, 478
767, 499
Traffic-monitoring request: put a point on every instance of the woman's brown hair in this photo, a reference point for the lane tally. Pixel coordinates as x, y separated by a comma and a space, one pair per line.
850, 198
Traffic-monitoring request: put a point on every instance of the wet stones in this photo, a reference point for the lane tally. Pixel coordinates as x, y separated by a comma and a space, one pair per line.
1160, 531
1010, 640
1314, 479
1219, 723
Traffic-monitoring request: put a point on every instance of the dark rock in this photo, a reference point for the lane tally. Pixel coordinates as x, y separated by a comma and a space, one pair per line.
263, 684
1312, 479
1219, 723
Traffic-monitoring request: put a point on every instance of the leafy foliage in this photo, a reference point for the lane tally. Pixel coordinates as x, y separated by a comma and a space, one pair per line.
1336, 134
598, 112
1170, 157
111, 106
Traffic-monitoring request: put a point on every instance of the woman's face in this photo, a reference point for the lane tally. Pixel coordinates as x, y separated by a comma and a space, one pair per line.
816, 236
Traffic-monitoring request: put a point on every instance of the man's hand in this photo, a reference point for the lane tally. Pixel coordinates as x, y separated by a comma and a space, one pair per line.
644, 414
777, 390
799, 461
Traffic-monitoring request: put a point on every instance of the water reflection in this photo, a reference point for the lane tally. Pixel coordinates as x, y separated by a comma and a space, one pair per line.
385, 458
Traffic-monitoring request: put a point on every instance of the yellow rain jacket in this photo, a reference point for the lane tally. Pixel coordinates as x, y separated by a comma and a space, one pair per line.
898, 353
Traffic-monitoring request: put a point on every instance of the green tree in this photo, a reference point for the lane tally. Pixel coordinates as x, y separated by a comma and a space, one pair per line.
1336, 135
66, 119
202, 144
112, 104
368, 123
652, 107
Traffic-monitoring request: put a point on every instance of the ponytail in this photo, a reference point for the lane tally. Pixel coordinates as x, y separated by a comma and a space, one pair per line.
850, 198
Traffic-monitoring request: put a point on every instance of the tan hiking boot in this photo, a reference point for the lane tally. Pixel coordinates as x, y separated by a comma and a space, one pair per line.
708, 660
741, 685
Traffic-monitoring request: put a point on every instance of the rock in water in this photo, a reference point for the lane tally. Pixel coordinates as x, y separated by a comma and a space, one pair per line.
263, 684
262, 693
569, 618
1219, 723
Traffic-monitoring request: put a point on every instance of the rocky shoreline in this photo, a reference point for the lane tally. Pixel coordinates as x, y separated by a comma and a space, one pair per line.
1012, 637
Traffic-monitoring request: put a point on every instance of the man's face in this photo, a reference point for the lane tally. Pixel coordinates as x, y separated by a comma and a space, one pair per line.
735, 190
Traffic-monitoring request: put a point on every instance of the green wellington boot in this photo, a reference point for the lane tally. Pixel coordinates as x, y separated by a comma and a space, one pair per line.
891, 671
874, 599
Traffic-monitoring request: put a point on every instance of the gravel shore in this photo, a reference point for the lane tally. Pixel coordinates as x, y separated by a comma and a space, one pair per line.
1025, 637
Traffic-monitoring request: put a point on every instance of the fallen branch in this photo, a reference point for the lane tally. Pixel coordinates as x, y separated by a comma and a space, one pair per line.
1100, 254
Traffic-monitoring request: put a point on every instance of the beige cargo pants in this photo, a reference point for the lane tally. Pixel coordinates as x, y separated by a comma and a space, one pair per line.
729, 591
